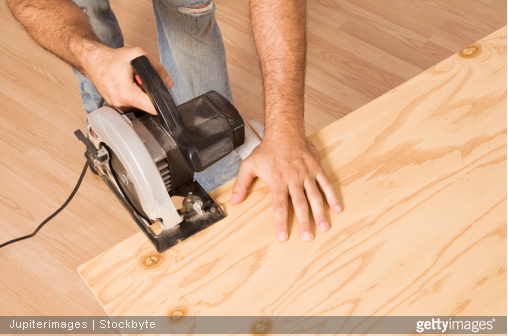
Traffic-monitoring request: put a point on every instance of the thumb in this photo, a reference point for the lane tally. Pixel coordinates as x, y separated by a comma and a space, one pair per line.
163, 73
242, 183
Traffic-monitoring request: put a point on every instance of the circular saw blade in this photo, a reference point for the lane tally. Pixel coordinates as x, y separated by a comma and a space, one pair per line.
125, 184
148, 192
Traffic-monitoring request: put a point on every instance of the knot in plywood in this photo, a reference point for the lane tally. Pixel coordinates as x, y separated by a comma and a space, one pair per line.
178, 312
151, 260
261, 326
471, 51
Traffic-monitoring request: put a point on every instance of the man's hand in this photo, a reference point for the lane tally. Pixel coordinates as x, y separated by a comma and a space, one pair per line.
111, 72
285, 159
290, 167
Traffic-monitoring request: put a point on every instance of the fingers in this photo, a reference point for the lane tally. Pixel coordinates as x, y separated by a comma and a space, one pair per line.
301, 208
316, 204
289, 174
280, 211
331, 196
242, 183
116, 83
139, 99
163, 73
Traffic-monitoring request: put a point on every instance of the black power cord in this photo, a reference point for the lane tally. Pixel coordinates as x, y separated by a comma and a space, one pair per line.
54, 213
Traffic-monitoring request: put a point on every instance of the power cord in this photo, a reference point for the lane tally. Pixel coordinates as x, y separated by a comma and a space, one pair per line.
54, 213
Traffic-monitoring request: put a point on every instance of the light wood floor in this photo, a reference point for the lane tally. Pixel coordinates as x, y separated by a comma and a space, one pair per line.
357, 51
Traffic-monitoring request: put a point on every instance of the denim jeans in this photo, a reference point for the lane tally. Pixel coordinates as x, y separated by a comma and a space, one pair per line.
191, 50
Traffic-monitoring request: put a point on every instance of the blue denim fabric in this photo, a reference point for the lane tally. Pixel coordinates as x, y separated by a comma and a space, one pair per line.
191, 49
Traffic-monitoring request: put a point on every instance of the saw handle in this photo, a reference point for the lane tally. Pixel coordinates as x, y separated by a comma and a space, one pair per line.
201, 152
171, 120
151, 83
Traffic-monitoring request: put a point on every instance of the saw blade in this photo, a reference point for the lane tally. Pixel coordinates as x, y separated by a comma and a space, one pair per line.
125, 184
148, 193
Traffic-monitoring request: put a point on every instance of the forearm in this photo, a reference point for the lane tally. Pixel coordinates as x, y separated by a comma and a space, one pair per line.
280, 34
62, 28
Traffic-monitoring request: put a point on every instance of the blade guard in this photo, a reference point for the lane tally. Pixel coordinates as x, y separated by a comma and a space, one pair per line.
116, 132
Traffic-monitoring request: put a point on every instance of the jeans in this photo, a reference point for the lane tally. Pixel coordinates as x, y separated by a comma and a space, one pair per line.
191, 50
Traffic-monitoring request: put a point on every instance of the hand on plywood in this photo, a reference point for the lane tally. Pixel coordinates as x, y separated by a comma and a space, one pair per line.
112, 74
290, 167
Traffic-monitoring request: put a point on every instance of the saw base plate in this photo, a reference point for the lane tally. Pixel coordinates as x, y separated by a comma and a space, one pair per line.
192, 223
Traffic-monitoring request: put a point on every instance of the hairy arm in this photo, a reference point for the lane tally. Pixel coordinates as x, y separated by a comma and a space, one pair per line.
279, 31
62, 28
285, 159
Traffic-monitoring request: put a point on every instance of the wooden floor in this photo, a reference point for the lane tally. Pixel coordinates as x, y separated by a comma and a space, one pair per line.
357, 51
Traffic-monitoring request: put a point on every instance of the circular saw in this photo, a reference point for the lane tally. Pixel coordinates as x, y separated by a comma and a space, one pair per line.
148, 159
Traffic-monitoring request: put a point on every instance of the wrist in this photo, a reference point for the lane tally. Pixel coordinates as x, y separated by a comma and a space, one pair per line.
285, 132
287, 123
93, 56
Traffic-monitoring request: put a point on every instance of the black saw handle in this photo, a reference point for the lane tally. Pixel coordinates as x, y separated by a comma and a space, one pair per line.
151, 83
198, 153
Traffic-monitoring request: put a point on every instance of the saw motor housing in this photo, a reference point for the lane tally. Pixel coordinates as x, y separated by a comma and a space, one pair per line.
147, 159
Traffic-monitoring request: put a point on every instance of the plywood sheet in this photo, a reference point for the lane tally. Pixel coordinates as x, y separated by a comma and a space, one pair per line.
422, 175
351, 43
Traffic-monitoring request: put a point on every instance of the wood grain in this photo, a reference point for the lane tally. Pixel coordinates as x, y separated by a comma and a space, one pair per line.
41, 107
422, 173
